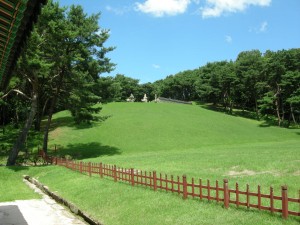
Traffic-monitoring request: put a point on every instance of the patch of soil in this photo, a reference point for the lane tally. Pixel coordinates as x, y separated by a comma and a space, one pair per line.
55, 133
242, 173
296, 173
246, 172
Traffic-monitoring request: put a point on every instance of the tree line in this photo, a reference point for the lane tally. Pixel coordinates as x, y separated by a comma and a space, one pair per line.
267, 84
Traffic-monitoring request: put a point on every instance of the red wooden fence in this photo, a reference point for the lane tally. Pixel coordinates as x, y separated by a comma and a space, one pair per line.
196, 189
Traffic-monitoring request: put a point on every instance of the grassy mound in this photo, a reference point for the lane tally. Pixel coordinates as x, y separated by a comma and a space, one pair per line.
183, 139
173, 139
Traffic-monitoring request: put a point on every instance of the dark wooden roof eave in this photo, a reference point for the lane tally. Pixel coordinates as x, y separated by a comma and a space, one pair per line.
31, 14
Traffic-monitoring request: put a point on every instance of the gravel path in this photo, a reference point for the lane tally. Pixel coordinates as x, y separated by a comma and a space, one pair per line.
43, 211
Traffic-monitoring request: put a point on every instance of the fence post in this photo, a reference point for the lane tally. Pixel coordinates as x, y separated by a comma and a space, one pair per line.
285, 202
184, 187
55, 160
208, 190
237, 199
226, 194
217, 190
90, 172
80, 167
115, 173
154, 181
132, 176
259, 197
101, 170
248, 196
272, 199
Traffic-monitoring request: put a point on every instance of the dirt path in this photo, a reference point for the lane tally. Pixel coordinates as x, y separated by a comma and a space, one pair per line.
43, 211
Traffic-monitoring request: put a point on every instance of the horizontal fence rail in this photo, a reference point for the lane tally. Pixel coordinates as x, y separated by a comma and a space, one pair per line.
212, 191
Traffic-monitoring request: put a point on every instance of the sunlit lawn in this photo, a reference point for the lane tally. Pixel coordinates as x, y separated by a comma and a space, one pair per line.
173, 139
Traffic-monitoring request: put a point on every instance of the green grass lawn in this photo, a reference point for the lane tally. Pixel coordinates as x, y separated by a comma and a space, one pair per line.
12, 187
173, 139
184, 139
119, 203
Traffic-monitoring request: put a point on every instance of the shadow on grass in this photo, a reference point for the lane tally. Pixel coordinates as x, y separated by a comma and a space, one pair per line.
68, 121
87, 150
265, 121
22, 168
8, 139
236, 113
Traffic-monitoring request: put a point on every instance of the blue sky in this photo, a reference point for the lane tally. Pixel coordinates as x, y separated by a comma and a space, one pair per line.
157, 38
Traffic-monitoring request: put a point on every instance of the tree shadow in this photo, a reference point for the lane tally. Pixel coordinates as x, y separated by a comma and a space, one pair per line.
236, 113
8, 139
265, 121
268, 122
68, 121
22, 168
85, 151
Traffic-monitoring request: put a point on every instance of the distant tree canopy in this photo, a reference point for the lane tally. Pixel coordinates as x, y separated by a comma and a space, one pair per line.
267, 84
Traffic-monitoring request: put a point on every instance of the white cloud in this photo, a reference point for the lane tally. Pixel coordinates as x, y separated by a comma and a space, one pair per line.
228, 39
259, 29
160, 8
117, 11
155, 66
263, 26
215, 8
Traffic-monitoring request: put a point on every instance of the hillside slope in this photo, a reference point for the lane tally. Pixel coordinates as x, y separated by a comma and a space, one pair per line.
181, 139
154, 127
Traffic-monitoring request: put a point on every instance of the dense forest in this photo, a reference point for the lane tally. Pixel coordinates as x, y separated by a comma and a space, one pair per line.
60, 69
265, 83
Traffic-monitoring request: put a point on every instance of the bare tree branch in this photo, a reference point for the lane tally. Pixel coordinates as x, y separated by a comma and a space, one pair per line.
17, 91
28, 78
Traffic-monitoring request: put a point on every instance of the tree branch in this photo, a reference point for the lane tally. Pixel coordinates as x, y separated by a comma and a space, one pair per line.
17, 91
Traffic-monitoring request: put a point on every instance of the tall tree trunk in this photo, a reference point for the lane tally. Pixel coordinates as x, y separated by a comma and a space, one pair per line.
17, 122
293, 116
283, 112
3, 120
256, 109
47, 127
230, 105
45, 106
37, 122
277, 111
22, 136
277, 104
38, 116
225, 100
53, 103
